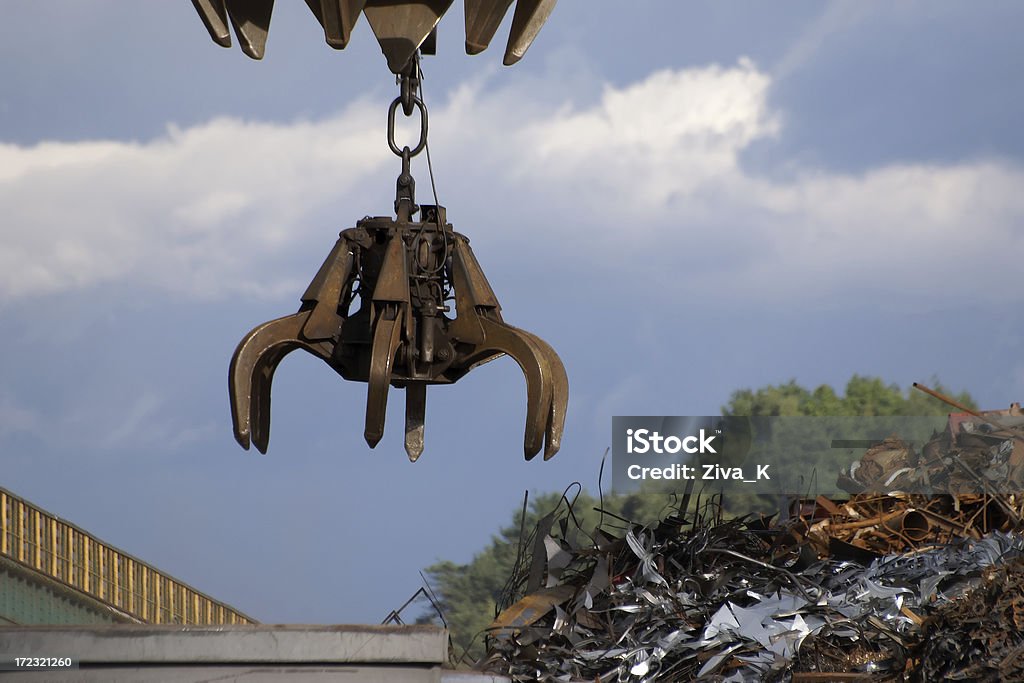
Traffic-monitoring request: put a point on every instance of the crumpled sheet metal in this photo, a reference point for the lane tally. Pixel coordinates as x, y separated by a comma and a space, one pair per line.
727, 602
969, 457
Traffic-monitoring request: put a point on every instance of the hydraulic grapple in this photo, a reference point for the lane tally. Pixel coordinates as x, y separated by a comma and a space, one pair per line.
405, 274
400, 301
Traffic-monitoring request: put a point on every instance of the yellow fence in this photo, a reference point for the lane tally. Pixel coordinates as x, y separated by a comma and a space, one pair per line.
70, 555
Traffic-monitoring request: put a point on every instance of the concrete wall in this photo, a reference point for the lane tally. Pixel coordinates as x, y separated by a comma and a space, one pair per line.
174, 654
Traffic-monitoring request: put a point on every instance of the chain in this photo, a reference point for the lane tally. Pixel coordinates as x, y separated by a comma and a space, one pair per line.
405, 193
411, 99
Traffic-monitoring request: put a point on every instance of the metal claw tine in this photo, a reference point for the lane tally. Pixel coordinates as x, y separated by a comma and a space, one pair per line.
390, 306
539, 380
251, 19
415, 413
385, 344
530, 15
252, 372
401, 26
482, 20
338, 18
215, 18
262, 383
479, 322
559, 397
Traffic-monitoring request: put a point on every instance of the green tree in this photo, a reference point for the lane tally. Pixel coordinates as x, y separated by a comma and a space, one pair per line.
864, 396
470, 594
794, 444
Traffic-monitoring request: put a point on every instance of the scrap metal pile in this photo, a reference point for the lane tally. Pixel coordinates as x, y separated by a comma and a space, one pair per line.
977, 453
889, 586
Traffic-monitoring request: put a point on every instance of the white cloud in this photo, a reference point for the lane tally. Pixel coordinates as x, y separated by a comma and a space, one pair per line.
652, 171
674, 131
649, 184
194, 212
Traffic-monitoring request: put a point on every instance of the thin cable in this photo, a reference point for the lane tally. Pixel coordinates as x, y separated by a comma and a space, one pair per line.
433, 188
430, 166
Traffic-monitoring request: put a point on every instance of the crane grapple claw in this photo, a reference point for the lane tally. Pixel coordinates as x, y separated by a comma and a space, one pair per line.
399, 302
379, 311
401, 26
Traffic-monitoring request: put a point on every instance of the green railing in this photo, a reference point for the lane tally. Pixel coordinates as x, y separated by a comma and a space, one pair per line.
66, 553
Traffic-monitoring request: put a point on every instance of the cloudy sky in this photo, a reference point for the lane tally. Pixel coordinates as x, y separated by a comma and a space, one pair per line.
683, 198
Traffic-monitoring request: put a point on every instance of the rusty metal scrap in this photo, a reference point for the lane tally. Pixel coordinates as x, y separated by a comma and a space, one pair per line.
805, 599
402, 27
977, 453
900, 523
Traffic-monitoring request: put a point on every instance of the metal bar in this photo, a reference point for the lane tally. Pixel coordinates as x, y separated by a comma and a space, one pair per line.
129, 569
145, 593
53, 549
970, 411
102, 554
158, 617
21, 522
115, 582
82, 560
86, 563
70, 540
3, 524
37, 536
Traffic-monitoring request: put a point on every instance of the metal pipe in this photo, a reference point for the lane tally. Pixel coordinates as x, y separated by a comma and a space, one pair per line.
914, 526
960, 406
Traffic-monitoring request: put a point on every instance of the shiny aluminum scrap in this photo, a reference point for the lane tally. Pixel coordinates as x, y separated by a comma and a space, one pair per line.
402, 26
725, 602
404, 273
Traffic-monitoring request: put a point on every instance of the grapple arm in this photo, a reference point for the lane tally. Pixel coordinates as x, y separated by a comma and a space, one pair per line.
316, 327
404, 273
